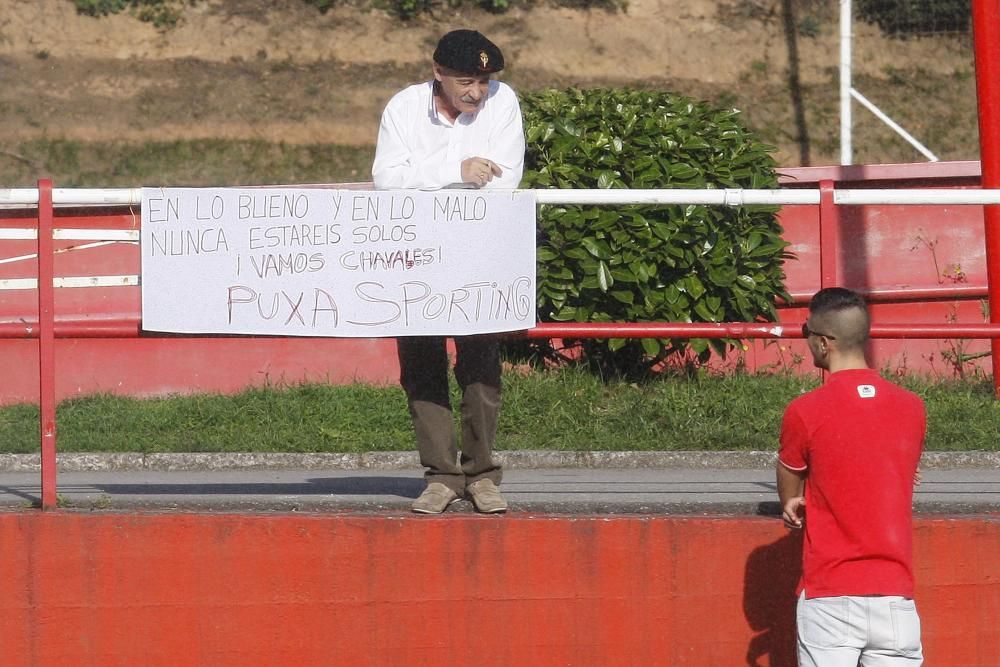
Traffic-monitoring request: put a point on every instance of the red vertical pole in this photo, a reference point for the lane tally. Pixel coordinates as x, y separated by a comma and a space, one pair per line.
829, 240
46, 344
986, 29
829, 236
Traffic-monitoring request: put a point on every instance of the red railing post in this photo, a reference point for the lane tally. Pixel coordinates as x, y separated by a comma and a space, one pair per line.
986, 30
829, 239
46, 345
829, 236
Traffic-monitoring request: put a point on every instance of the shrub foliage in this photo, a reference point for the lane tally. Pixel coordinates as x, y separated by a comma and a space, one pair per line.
642, 263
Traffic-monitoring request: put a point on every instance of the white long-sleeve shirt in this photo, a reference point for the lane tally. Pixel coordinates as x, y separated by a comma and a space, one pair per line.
418, 148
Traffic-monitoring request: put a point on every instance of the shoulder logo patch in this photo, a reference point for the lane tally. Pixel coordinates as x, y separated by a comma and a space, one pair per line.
866, 391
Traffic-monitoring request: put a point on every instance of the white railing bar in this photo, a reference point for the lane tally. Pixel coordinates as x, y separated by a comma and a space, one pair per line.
916, 196
71, 281
19, 258
74, 196
19, 234
976, 197
22, 234
59, 251
126, 235
730, 197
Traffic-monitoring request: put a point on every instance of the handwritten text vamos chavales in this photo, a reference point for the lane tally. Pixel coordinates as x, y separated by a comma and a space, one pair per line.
322, 262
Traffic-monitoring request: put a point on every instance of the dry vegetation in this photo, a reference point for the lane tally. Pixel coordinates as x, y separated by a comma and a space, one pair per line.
280, 74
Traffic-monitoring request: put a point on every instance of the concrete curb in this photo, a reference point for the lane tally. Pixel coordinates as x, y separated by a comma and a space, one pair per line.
103, 462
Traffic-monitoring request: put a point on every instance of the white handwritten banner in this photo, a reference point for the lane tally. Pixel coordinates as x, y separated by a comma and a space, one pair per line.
319, 262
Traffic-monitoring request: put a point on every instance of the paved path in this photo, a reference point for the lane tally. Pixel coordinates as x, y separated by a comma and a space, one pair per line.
615, 483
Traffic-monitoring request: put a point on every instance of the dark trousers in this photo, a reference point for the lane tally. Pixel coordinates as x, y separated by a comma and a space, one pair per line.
423, 370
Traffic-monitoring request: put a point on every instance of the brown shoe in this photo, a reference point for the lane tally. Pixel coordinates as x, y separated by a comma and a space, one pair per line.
434, 500
486, 497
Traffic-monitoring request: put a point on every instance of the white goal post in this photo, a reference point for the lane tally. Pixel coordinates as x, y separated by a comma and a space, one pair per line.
848, 92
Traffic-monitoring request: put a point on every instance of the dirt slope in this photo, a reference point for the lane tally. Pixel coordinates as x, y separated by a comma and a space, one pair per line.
281, 71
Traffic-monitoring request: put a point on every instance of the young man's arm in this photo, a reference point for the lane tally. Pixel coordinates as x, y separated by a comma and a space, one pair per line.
791, 489
792, 467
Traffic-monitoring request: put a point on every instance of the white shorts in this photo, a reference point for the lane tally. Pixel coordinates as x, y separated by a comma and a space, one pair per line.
878, 631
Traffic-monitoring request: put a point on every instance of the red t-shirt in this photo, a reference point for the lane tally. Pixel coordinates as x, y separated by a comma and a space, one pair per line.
859, 439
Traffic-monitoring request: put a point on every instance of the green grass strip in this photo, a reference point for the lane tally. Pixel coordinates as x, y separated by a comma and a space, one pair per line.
565, 409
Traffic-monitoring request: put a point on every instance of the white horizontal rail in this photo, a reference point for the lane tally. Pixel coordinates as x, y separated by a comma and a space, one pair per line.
30, 234
977, 197
72, 281
28, 197
916, 196
92, 233
732, 197
73, 196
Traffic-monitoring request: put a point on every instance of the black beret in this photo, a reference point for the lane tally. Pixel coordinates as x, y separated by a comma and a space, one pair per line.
468, 52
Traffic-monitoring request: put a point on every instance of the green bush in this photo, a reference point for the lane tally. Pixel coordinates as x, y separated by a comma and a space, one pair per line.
649, 263
903, 18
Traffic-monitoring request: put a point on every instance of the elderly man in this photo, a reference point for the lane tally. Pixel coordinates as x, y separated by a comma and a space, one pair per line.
847, 464
462, 129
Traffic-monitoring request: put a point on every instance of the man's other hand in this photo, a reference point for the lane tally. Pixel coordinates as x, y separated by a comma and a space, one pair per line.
479, 171
794, 512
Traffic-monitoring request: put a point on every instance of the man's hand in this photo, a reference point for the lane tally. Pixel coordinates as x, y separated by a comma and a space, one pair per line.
794, 512
791, 495
479, 171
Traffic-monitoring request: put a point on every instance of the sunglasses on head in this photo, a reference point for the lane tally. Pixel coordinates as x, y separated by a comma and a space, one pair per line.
806, 332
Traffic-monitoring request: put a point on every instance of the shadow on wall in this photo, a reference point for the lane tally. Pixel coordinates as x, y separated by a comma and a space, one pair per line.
794, 81
772, 574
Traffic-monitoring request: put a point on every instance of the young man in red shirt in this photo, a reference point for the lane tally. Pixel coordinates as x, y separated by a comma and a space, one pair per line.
847, 464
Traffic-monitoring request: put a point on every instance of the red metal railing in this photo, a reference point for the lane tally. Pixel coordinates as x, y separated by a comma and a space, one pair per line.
46, 344
49, 327
128, 327
986, 18
986, 22
986, 29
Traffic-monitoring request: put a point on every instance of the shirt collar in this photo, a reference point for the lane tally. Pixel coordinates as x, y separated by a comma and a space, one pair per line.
460, 119
432, 111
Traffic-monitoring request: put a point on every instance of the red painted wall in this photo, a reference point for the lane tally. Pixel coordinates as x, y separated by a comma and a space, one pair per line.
219, 589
